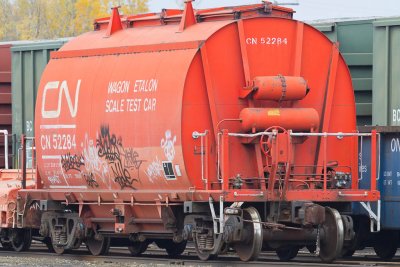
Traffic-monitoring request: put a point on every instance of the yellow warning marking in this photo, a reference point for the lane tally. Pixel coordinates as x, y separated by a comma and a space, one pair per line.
274, 112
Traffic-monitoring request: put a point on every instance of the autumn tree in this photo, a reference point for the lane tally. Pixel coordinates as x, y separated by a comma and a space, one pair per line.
59, 15
30, 18
7, 31
86, 12
129, 7
43, 19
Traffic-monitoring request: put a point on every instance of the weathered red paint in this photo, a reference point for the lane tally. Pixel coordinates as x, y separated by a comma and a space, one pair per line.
10, 184
118, 114
144, 92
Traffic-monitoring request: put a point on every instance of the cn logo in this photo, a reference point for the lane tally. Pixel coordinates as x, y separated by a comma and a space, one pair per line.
62, 88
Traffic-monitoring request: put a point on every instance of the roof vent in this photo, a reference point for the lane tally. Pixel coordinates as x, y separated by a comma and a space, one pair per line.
115, 23
188, 17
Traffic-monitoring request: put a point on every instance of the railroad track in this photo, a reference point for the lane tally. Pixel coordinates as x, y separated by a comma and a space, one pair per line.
38, 255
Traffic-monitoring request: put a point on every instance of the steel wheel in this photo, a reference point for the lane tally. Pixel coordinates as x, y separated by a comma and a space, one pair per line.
250, 248
333, 232
386, 244
77, 244
287, 253
21, 239
57, 249
224, 249
137, 248
49, 245
173, 249
98, 247
176, 249
6, 245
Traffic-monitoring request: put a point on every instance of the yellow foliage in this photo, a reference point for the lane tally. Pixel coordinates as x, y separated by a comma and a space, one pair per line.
43, 19
6, 28
59, 15
86, 12
130, 7
30, 16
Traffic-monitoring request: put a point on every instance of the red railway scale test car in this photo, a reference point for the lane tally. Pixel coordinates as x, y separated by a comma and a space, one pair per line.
232, 127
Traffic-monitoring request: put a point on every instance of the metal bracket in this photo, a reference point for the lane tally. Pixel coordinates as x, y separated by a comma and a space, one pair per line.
374, 218
236, 194
236, 204
203, 149
365, 194
217, 220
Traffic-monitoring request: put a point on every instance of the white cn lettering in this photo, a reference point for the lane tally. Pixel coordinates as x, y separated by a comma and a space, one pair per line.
251, 41
51, 114
395, 145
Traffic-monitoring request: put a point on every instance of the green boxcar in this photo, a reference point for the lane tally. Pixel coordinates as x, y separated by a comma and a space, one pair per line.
355, 40
28, 62
386, 75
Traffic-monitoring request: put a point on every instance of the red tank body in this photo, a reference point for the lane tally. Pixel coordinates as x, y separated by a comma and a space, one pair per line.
145, 122
296, 119
119, 112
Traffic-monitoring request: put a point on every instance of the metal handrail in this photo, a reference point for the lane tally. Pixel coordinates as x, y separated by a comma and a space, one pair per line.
251, 135
196, 135
339, 135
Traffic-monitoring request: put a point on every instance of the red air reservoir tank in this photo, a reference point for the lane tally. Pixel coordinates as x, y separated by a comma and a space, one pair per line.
280, 88
296, 119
